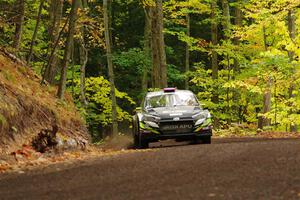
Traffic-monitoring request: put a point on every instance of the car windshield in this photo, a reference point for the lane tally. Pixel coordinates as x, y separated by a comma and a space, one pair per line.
171, 100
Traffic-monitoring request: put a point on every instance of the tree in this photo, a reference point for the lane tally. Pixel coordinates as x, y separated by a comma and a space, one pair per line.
38, 19
214, 40
68, 48
147, 47
292, 34
55, 12
19, 23
187, 50
83, 54
159, 63
110, 68
238, 24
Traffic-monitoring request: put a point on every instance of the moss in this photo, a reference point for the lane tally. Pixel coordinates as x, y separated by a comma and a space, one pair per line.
9, 77
3, 121
22, 69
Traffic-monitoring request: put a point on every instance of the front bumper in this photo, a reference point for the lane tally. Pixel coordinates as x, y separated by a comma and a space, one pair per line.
150, 136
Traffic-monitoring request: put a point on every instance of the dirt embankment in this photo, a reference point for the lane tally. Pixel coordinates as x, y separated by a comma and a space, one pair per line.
29, 110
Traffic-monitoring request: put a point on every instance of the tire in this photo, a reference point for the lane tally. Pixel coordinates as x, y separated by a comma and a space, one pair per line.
196, 140
207, 140
143, 144
135, 141
203, 140
138, 141
135, 132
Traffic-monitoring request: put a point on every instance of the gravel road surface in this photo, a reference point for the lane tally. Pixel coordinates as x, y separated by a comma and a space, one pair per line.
226, 169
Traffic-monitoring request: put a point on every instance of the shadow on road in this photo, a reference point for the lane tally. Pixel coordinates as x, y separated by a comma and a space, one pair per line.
173, 143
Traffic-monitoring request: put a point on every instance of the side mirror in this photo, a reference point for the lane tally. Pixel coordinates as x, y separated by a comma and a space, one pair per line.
138, 109
204, 106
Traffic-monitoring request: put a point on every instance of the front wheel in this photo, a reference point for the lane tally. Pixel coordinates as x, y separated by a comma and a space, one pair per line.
143, 144
203, 140
207, 140
138, 141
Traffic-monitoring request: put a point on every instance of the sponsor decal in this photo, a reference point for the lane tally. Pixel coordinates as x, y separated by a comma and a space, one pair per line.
177, 126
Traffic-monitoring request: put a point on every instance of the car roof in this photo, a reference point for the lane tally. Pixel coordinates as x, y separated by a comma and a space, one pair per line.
157, 93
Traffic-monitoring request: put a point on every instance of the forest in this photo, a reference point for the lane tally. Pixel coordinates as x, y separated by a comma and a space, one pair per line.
240, 57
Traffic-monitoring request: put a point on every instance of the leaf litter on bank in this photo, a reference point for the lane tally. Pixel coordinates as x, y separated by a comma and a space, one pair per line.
29, 159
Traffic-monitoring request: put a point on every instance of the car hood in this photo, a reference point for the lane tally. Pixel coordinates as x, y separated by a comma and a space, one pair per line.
178, 111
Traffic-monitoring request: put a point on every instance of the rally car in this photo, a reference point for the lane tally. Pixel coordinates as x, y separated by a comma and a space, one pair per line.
171, 114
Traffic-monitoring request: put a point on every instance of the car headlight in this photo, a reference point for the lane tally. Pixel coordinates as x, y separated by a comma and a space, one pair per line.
201, 117
151, 124
150, 118
200, 121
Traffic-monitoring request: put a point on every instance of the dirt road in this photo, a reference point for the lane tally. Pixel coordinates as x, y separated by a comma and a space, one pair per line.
226, 169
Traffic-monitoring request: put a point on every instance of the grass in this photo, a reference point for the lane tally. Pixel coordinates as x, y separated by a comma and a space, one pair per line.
18, 80
3, 121
236, 131
8, 76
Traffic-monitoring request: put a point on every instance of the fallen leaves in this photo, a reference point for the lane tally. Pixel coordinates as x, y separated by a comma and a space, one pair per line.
27, 158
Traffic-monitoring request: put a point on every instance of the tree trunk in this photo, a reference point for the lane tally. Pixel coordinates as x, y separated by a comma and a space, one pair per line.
147, 46
63, 77
238, 23
110, 69
226, 18
159, 65
38, 19
227, 33
236, 65
187, 51
52, 54
83, 61
83, 52
214, 39
163, 60
54, 32
263, 121
292, 33
19, 24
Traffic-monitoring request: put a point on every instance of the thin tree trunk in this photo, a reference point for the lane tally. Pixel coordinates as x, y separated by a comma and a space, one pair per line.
38, 19
162, 52
187, 51
267, 103
55, 34
63, 77
263, 121
236, 65
110, 69
238, 23
292, 33
154, 48
147, 35
159, 65
227, 33
83, 52
83, 62
214, 39
226, 18
52, 54
72, 65
19, 24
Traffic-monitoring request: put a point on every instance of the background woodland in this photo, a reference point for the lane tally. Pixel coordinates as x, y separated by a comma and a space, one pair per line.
240, 57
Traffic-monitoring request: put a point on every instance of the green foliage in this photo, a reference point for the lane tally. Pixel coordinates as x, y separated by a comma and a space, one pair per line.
257, 57
130, 66
98, 111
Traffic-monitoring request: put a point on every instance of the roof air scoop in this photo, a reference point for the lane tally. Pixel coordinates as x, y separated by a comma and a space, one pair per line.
166, 90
